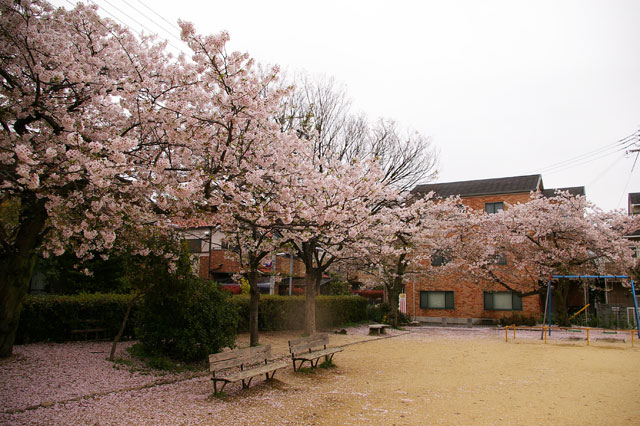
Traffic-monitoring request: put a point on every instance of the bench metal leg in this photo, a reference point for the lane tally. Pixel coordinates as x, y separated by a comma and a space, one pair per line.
215, 385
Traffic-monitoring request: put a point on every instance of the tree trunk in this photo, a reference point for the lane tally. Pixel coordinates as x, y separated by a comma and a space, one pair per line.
394, 300
254, 302
123, 325
310, 302
395, 288
16, 269
562, 291
14, 285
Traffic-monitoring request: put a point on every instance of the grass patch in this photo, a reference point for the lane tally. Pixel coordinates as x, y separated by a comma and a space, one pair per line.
219, 395
149, 360
327, 363
307, 370
123, 362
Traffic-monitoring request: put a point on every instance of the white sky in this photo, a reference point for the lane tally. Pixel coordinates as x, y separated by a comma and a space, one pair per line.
503, 88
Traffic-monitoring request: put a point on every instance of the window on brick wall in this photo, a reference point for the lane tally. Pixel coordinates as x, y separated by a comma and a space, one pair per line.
194, 245
500, 259
491, 208
502, 301
436, 300
438, 259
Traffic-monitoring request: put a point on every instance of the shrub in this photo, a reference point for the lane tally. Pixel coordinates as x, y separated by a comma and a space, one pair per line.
232, 288
274, 312
52, 318
518, 319
377, 313
186, 319
372, 295
287, 313
336, 286
332, 311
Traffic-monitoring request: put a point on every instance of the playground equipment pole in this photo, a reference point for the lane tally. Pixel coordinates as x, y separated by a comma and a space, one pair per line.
549, 303
635, 304
546, 305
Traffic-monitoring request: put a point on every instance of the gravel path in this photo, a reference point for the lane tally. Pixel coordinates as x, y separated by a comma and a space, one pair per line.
415, 376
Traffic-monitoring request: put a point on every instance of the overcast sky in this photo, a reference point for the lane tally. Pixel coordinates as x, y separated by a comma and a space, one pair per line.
503, 88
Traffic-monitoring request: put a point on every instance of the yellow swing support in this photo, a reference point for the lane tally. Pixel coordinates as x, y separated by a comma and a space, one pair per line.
579, 312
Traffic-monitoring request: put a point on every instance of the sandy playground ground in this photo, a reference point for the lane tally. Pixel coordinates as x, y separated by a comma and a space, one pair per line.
420, 376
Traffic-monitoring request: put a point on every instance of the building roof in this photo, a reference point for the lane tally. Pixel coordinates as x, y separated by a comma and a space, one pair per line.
574, 190
469, 188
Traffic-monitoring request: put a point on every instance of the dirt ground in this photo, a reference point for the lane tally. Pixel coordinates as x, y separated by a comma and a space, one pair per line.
424, 375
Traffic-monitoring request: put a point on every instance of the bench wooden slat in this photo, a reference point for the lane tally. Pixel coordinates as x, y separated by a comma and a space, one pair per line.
311, 348
237, 362
252, 361
317, 354
268, 368
315, 340
239, 353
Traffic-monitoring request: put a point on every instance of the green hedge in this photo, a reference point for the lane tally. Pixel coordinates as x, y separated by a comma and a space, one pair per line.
51, 318
287, 312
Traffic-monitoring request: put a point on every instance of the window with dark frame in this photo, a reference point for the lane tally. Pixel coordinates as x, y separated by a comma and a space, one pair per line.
500, 259
437, 300
195, 245
502, 301
491, 208
438, 259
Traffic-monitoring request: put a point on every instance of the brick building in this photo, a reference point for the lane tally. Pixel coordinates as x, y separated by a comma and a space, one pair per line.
213, 259
454, 299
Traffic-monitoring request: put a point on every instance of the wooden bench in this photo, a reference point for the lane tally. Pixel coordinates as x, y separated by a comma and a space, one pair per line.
91, 327
311, 349
251, 361
377, 329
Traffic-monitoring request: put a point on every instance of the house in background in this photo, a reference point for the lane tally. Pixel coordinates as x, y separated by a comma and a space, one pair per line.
616, 306
214, 259
455, 299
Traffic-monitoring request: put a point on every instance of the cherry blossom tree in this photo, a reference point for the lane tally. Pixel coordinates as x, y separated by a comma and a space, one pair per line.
87, 111
333, 220
319, 112
250, 170
520, 247
406, 236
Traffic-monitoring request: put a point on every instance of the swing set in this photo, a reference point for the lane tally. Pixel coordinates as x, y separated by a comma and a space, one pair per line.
547, 306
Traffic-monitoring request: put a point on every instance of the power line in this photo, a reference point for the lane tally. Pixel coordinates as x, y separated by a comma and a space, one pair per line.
607, 169
134, 20
160, 16
597, 154
623, 143
624, 191
154, 22
119, 19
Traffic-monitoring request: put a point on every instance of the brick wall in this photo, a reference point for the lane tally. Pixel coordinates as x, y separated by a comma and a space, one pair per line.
223, 261
469, 294
283, 266
468, 298
477, 203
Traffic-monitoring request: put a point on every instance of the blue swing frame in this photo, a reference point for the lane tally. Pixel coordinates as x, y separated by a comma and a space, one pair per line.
633, 293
